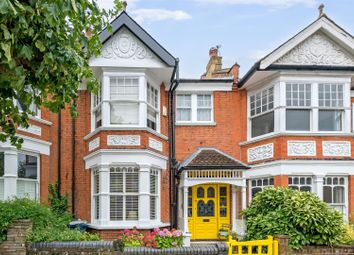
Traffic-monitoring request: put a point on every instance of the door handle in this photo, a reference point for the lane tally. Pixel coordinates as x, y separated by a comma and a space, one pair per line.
206, 220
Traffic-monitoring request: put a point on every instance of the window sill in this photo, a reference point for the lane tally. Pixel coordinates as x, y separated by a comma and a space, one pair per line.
289, 133
38, 119
127, 225
195, 123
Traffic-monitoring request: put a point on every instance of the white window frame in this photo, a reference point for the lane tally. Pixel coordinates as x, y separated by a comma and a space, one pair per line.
279, 84
262, 187
36, 181
141, 101
250, 117
299, 185
345, 193
194, 108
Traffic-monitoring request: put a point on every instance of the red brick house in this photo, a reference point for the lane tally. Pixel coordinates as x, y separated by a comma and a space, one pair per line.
153, 150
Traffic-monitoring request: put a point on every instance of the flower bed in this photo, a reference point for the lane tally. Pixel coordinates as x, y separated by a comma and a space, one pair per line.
158, 238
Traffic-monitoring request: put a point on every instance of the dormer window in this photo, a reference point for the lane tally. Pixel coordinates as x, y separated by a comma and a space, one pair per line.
194, 108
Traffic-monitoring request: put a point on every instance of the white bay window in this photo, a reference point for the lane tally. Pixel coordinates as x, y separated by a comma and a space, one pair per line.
125, 195
334, 192
126, 100
300, 107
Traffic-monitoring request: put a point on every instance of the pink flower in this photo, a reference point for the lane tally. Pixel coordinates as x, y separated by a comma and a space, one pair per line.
162, 233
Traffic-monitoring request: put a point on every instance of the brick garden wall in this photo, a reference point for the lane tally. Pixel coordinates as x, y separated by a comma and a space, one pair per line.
16, 238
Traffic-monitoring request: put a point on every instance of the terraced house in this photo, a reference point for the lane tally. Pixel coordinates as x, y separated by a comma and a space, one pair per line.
153, 150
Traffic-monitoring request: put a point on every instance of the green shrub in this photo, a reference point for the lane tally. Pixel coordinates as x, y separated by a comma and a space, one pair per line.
301, 215
47, 226
58, 204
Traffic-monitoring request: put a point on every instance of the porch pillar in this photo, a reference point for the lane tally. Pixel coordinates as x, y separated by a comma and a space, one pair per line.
234, 208
185, 209
318, 181
244, 197
104, 175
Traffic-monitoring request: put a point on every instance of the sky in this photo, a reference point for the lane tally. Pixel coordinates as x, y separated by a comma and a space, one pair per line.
246, 30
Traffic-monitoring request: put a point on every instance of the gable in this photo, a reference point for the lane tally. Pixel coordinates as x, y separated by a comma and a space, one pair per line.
317, 49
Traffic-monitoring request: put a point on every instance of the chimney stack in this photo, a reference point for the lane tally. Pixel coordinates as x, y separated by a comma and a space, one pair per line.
215, 62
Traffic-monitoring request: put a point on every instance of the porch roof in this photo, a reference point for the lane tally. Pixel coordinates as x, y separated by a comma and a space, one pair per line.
211, 158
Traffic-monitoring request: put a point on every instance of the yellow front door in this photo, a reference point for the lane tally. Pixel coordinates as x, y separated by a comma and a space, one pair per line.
208, 210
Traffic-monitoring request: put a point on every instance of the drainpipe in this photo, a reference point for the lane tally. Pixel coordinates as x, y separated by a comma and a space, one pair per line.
73, 178
172, 154
59, 151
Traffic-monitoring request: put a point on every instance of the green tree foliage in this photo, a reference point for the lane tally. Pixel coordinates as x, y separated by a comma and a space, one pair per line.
44, 55
300, 215
47, 225
58, 204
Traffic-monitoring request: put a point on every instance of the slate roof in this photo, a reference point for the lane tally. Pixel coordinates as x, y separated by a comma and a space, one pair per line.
211, 158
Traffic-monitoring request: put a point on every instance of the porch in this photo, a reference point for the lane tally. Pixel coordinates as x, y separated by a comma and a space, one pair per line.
212, 193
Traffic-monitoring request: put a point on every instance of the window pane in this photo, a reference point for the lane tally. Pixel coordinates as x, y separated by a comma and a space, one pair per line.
152, 208
329, 120
151, 118
124, 88
204, 115
330, 95
132, 182
204, 100
116, 181
183, 101
327, 194
27, 166
261, 102
263, 124
183, 115
124, 113
1, 164
305, 188
298, 120
255, 191
131, 207
338, 195
116, 207
27, 189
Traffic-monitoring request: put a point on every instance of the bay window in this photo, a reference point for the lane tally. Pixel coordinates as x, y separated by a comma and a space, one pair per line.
330, 100
27, 173
298, 99
262, 112
194, 108
128, 100
96, 197
334, 190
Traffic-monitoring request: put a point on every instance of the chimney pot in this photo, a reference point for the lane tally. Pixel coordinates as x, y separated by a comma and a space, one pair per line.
213, 52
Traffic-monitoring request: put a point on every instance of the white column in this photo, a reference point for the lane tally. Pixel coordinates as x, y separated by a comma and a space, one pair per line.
244, 197
104, 195
144, 195
10, 173
180, 208
185, 209
142, 98
318, 185
234, 208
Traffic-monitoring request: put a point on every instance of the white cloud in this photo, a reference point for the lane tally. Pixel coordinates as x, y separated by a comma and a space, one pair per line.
108, 4
270, 3
150, 15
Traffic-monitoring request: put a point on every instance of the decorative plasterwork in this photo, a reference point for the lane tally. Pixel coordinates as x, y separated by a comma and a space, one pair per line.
260, 152
33, 129
301, 148
336, 148
154, 144
125, 45
126, 140
95, 143
316, 50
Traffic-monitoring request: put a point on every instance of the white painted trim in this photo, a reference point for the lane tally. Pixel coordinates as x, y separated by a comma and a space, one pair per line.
204, 87
35, 145
129, 225
43, 121
321, 24
301, 167
151, 131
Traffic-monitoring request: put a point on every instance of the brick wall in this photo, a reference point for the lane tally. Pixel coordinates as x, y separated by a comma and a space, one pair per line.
16, 238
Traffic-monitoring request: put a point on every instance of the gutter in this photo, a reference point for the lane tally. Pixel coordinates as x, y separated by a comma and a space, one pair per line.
59, 152
172, 146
